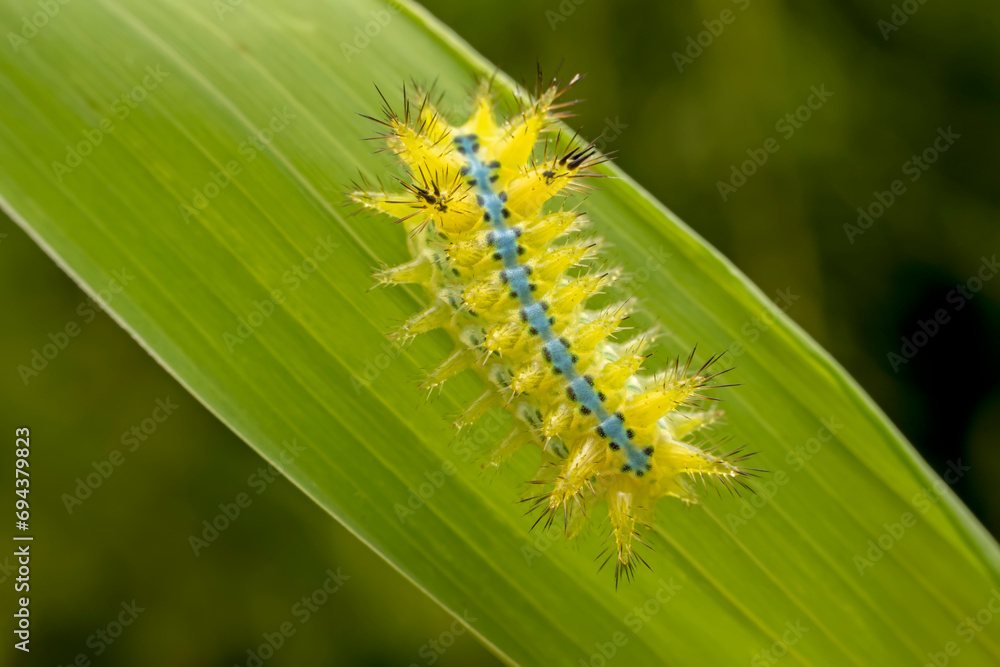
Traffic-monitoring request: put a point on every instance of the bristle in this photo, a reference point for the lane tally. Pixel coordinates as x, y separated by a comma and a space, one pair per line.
509, 276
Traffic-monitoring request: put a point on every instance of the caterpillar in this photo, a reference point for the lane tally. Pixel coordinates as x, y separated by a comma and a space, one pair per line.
509, 271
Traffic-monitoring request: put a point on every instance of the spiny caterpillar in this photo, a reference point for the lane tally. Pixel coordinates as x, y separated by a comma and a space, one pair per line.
509, 278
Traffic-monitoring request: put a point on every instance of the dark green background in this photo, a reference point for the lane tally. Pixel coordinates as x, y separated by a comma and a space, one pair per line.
681, 132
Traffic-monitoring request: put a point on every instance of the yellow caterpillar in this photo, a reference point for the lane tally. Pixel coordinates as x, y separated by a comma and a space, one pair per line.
509, 277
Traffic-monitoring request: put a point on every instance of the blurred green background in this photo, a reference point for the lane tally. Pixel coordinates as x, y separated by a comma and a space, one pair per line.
679, 124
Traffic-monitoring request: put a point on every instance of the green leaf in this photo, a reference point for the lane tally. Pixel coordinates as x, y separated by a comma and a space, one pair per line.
117, 113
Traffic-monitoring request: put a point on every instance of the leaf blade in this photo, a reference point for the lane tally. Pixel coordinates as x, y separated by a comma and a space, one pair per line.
293, 376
